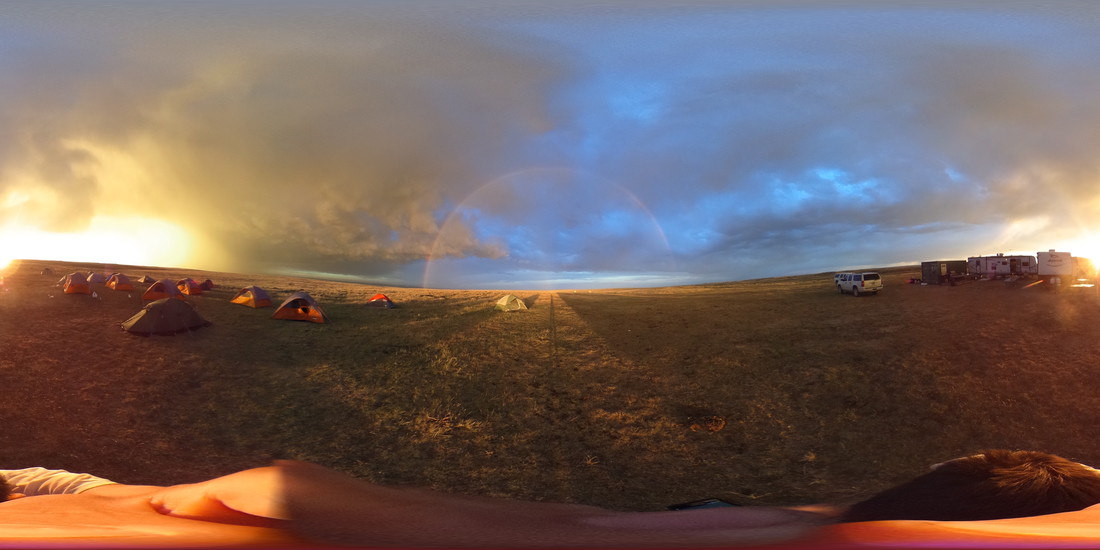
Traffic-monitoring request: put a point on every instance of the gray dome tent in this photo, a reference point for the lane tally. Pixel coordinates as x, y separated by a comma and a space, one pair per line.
510, 303
165, 316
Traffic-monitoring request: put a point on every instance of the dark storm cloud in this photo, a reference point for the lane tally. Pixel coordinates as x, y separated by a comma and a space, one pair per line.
289, 143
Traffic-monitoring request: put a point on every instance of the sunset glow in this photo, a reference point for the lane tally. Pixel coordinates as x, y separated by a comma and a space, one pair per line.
1085, 246
131, 241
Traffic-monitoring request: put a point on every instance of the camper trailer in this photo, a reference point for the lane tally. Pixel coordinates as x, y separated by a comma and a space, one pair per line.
940, 272
993, 267
1056, 268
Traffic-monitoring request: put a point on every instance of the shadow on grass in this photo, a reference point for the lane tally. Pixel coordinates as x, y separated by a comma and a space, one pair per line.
531, 300
809, 410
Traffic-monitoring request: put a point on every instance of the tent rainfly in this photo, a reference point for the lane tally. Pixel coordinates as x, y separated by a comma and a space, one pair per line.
510, 303
165, 316
252, 296
146, 279
96, 278
75, 283
300, 306
207, 285
119, 281
380, 300
189, 286
163, 288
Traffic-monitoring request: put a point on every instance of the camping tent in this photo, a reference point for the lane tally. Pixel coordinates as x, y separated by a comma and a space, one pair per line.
207, 285
119, 281
300, 306
252, 296
65, 279
97, 278
510, 303
380, 300
162, 289
165, 316
47, 271
189, 286
146, 279
75, 283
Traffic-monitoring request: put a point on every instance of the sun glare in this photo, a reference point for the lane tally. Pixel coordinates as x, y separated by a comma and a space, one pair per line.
1085, 246
133, 241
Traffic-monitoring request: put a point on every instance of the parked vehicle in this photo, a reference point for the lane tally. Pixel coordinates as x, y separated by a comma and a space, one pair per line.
1056, 268
1000, 266
943, 271
856, 283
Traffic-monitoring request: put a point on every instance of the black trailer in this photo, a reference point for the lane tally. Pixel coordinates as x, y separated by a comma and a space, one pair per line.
941, 272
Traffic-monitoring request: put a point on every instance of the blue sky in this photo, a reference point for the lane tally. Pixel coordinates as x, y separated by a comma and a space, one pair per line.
491, 144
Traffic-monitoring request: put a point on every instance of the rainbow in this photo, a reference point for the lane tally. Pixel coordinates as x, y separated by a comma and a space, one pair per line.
534, 174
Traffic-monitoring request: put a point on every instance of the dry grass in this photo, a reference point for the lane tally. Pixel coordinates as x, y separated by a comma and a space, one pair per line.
775, 391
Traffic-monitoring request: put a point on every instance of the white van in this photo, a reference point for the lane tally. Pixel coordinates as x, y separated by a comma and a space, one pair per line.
856, 283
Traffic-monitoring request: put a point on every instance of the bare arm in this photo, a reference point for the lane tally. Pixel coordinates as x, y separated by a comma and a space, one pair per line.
256, 493
330, 507
326, 506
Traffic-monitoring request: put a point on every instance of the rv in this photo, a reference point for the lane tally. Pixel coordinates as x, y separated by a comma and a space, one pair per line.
1056, 268
992, 267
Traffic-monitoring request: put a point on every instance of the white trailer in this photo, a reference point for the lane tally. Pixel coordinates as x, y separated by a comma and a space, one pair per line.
991, 267
1056, 268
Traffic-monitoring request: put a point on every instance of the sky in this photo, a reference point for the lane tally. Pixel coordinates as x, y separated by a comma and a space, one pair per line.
490, 144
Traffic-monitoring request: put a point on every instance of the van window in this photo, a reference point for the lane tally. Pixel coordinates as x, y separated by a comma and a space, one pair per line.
870, 277
857, 277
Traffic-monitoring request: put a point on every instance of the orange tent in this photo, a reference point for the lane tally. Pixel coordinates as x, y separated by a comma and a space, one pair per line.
300, 306
380, 300
189, 286
97, 278
162, 289
75, 283
252, 296
119, 281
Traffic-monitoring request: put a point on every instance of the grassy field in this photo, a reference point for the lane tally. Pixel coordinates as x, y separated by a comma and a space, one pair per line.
766, 392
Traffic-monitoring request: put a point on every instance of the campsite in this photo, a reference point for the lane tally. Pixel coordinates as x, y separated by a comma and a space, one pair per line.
762, 392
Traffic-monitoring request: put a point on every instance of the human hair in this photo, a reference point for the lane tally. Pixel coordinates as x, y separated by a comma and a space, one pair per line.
993, 484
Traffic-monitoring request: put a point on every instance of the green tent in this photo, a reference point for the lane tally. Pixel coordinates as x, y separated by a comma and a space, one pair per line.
510, 303
165, 316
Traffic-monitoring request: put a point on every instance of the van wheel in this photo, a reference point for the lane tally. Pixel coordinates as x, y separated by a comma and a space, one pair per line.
855, 291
